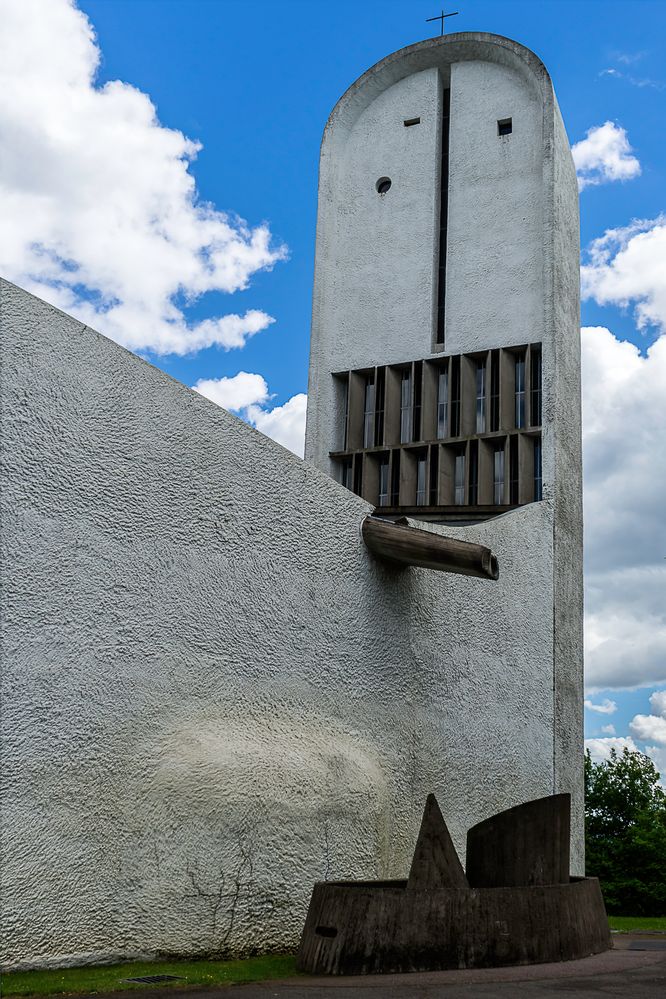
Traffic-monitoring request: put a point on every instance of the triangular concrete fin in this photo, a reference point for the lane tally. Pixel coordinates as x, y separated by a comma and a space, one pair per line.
436, 863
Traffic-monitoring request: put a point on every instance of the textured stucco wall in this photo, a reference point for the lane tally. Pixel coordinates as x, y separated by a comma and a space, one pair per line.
494, 263
213, 695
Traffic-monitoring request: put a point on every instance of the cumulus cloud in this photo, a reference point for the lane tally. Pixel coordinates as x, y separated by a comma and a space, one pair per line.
247, 395
608, 729
604, 155
285, 424
605, 708
100, 213
624, 427
628, 265
235, 393
652, 727
600, 749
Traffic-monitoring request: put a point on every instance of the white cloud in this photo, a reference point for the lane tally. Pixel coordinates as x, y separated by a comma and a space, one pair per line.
624, 427
235, 393
600, 749
604, 155
247, 394
658, 702
99, 210
608, 729
652, 727
285, 424
628, 265
649, 728
605, 708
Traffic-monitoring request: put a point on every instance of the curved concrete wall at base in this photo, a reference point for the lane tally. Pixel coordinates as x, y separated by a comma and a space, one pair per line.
214, 696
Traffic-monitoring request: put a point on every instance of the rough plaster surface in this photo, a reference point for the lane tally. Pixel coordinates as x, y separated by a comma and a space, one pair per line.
214, 696
512, 278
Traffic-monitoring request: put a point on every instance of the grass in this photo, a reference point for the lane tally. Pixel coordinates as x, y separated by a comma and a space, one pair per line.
109, 977
633, 924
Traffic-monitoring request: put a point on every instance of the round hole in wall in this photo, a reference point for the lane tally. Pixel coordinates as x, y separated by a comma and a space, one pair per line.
383, 184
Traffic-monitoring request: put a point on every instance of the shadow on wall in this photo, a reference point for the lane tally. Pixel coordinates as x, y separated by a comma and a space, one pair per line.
247, 813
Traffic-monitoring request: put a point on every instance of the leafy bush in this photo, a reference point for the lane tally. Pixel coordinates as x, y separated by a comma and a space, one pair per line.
625, 833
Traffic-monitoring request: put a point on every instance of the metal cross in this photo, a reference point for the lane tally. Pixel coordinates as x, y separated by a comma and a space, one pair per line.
441, 18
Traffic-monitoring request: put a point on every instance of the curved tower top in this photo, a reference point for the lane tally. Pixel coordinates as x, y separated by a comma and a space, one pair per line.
447, 234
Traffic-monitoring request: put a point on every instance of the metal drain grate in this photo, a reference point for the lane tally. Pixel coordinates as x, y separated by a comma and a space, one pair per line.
154, 979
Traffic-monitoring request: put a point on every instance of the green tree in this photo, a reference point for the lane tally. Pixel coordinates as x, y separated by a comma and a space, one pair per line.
625, 833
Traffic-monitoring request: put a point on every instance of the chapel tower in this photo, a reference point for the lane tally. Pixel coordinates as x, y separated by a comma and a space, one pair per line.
444, 372
445, 377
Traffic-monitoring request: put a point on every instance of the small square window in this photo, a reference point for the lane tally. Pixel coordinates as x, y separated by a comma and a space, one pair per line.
411, 121
504, 126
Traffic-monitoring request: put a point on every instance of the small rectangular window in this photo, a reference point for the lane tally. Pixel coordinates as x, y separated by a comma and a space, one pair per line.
406, 408
504, 126
498, 476
379, 406
412, 121
416, 408
421, 489
535, 388
513, 467
455, 396
494, 390
358, 474
473, 473
384, 481
442, 403
520, 392
434, 476
538, 481
395, 479
369, 413
480, 397
346, 474
459, 479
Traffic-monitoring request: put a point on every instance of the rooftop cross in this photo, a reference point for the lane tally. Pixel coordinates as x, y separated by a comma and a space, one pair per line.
440, 17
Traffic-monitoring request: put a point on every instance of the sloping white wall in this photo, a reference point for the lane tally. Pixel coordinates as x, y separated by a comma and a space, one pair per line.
214, 696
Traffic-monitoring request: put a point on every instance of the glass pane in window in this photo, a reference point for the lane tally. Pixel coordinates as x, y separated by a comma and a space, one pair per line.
481, 397
442, 403
384, 482
369, 415
421, 495
535, 388
406, 408
459, 495
498, 476
538, 482
520, 392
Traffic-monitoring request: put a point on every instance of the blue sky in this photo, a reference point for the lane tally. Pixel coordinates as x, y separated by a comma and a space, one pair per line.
253, 83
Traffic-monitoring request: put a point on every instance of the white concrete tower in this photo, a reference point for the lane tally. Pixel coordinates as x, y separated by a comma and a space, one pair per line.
445, 357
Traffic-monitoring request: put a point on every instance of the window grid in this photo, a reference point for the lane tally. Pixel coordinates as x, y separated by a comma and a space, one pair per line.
428, 404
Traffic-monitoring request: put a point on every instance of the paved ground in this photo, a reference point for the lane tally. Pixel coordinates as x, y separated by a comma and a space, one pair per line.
634, 969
